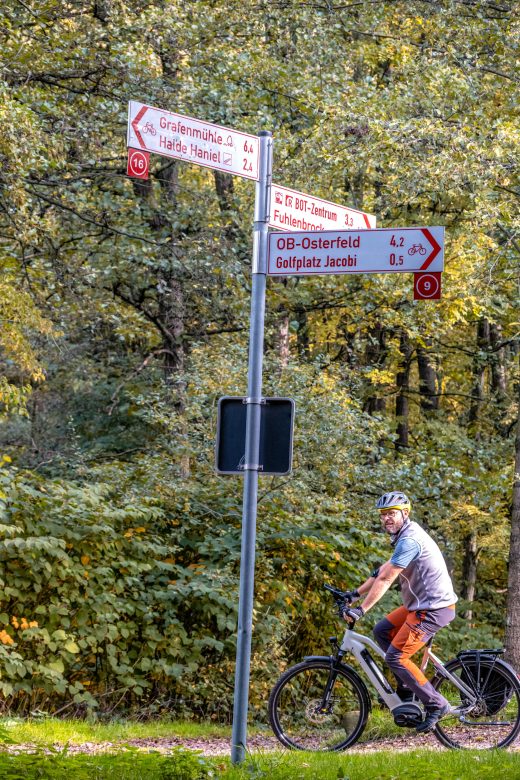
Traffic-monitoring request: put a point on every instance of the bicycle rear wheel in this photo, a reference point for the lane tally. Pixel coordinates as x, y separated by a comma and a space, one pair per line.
301, 719
494, 721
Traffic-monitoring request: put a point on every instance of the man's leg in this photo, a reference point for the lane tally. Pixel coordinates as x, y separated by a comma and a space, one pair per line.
384, 632
387, 628
414, 633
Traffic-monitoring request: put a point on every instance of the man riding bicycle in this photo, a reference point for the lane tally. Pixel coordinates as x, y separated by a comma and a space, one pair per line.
428, 602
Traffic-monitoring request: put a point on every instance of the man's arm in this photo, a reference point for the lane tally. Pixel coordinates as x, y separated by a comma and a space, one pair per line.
365, 587
388, 573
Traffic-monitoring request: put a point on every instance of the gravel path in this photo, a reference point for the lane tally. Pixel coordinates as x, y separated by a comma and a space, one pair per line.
218, 746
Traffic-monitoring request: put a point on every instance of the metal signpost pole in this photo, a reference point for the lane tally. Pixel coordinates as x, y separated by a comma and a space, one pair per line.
254, 400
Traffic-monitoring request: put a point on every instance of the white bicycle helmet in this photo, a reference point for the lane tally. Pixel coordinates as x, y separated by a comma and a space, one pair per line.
394, 500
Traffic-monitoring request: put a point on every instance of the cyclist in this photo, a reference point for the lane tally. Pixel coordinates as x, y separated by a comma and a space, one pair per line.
428, 602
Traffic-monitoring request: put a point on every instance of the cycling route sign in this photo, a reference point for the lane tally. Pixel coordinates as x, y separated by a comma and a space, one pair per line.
192, 140
138, 164
427, 286
293, 210
382, 250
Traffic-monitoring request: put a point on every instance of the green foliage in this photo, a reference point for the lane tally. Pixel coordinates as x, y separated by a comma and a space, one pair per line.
178, 765
130, 299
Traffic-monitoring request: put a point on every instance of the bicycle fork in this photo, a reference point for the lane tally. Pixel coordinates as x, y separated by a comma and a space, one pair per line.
335, 662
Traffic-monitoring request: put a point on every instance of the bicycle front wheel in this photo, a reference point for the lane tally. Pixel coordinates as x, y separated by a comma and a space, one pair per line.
314, 706
494, 720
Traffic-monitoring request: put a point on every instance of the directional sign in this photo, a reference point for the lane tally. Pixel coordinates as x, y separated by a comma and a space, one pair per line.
427, 286
292, 210
138, 164
387, 250
184, 138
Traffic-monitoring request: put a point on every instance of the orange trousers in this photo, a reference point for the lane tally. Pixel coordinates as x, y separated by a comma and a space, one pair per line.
401, 634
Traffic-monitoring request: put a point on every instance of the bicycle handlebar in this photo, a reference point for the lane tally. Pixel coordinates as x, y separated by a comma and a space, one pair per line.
340, 597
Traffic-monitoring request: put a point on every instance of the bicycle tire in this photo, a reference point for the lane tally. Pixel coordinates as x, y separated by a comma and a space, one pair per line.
294, 701
493, 722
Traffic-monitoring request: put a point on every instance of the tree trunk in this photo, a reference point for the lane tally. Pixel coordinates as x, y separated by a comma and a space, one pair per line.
498, 369
303, 334
224, 187
282, 339
479, 370
375, 355
173, 315
513, 586
428, 381
469, 570
403, 386
102, 10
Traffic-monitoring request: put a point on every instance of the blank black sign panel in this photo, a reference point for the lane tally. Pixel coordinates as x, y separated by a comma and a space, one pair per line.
276, 434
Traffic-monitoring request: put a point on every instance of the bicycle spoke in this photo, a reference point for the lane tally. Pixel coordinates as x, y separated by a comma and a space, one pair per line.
492, 721
309, 722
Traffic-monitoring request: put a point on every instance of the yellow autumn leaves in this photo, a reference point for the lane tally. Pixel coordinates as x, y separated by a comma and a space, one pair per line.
5, 638
22, 624
131, 531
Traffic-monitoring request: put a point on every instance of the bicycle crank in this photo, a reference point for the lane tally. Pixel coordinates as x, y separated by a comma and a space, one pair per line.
408, 715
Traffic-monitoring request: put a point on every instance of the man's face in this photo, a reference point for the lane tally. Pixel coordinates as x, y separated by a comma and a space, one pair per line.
392, 520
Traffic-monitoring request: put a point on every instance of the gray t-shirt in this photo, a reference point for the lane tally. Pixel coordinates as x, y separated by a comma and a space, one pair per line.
406, 551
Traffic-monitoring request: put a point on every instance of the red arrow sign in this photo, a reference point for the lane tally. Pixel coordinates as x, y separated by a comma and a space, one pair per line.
135, 125
435, 251
382, 250
193, 140
293, 210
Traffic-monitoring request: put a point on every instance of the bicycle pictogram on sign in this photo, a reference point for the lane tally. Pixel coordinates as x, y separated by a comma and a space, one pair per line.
417, 248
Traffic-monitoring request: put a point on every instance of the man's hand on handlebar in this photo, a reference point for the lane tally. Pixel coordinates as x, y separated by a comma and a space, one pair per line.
352, 614
343, 599
343, 595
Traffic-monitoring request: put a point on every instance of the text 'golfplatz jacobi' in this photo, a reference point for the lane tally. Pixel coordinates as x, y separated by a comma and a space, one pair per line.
297, 262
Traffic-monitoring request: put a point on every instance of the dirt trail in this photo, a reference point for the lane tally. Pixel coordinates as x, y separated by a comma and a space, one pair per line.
266, 744
219, 746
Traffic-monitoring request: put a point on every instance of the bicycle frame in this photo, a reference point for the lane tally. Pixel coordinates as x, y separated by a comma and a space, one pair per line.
360, 645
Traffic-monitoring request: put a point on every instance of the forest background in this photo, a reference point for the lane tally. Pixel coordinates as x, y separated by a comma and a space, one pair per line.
125, 309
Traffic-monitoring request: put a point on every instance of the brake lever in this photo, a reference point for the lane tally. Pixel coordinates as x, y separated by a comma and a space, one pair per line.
341, 605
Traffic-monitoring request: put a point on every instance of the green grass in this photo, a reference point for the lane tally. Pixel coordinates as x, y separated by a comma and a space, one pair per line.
384, 765
49, 731
132, 764
380, 725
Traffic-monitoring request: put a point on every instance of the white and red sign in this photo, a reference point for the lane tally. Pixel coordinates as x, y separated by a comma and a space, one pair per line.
383, 250
292, 210
427, 286
138, 164
184, 138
